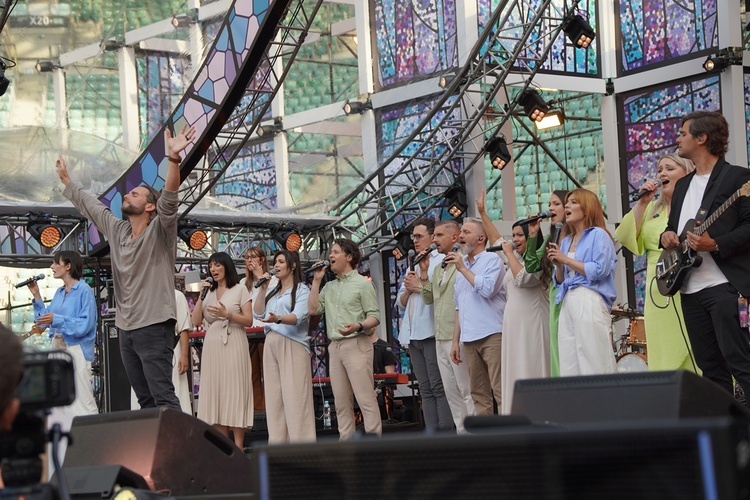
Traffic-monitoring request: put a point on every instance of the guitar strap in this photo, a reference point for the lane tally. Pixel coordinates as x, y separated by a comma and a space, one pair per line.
709, 198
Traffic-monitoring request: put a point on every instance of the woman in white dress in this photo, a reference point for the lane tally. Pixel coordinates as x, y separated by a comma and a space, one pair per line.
226, 395
525, 351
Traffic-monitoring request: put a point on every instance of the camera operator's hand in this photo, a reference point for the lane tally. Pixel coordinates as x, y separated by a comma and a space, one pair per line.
45, 320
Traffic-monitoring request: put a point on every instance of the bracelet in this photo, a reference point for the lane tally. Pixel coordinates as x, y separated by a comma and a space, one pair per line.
177, 160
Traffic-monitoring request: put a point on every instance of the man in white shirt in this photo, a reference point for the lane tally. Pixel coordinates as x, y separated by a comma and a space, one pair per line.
417, 325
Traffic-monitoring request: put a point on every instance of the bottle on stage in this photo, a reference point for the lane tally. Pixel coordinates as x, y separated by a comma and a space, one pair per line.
326, 415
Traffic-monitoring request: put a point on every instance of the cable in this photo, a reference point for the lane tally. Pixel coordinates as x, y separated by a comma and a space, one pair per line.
56, 433
679, 320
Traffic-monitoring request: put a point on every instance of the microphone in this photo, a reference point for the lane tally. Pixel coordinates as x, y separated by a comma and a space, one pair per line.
556, 232
498, 248
410, 259
643, 192
425, 253
30, 280
456, 248
260, 282
317, 266
205, 290
543, 215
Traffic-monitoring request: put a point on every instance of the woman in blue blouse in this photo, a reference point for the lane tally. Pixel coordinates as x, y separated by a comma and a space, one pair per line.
71, 320
585, 265
286, 357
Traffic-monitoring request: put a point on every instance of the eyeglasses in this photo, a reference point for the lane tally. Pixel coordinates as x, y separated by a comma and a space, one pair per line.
248, 257
417, 237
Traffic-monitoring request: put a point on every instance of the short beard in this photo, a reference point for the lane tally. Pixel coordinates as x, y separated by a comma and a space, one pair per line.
129, 210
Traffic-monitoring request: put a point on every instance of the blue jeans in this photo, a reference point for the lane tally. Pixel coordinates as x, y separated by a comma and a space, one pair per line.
147, 356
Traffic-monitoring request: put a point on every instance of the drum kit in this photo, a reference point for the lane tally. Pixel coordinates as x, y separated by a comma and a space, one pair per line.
631, 347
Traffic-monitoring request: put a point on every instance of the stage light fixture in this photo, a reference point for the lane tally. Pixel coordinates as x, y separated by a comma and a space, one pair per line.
357, 107
553, 118
579, 31
194, 237
110, 45
46, 233
446, 81
268, 130
288, 237
4, 82
533, 104
403, 244
46, 66
455, 198
498, 151
183, 20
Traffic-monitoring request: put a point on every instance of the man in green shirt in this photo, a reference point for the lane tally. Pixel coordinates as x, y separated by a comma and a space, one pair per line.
351, 309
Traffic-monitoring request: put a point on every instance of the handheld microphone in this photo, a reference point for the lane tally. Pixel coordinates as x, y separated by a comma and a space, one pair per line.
260, 282
425, 253
456, 248
317, 266
497, 248
410, 259
643, 192
556, 233
543, 215
30, 280
205, 290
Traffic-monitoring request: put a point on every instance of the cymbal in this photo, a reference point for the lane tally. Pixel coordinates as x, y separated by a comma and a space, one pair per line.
620, 312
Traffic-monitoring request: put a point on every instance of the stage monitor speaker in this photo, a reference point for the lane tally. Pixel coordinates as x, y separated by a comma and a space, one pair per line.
99, 481
624, 396
692, 459
116, 383
173, 451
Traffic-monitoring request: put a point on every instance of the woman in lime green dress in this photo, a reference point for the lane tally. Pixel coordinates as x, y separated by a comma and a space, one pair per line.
535, 260
639, 232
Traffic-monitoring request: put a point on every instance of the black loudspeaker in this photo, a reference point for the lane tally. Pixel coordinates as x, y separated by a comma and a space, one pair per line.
691, 459
623, 396
116, 383
173, 451
99, 481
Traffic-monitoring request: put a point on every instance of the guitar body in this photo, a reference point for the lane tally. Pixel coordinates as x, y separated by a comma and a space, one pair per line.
674, 264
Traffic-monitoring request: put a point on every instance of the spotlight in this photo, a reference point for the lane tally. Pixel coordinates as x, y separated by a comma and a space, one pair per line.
455, 198
579, 31
183, 20
46, 233
554, 118
533, 105
403, 244
498, 151
195, 238
4, 82
268, 130
46, 66
357, 107
447, 80
110, 45
288, 237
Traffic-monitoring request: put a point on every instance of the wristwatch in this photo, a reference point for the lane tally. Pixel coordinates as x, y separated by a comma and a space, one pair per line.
361, 328
716, 248
278, 321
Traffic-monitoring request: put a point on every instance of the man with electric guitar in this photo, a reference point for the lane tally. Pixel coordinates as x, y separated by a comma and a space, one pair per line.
709, 263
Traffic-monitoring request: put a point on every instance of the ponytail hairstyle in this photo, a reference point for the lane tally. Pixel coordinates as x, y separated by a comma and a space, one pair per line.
292, 261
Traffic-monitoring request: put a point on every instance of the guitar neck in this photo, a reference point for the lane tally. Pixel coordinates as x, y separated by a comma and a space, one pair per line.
717, 213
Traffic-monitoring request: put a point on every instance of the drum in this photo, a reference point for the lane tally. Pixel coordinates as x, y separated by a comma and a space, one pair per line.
632, 362
637, 331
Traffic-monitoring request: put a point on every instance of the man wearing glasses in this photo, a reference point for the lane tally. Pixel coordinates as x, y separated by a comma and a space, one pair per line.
418, 329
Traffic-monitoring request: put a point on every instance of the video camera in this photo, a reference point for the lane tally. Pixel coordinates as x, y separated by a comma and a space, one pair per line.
48, 381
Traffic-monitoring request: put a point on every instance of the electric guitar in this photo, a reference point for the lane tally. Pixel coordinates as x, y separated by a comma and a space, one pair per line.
35, 330
675, 263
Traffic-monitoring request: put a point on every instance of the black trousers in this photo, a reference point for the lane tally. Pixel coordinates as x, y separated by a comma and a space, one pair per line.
720, 346
147, 355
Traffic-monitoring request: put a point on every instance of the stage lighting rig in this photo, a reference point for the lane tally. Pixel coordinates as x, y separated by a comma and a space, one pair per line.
497, 148
533, 104
553, 118
357, 107
192, 235
578, 30
726, 57
287, 235
455, 198
45, 232
403, 244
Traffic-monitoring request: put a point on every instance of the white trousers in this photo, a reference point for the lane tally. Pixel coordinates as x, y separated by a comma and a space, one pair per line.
455, 383
180, 382
583, 334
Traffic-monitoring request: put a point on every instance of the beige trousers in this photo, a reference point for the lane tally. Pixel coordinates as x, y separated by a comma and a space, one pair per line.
483, 357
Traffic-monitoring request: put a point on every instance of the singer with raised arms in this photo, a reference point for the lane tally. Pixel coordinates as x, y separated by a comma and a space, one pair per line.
71, 320
535, 259
417, 328
525, 351
286, 357
639, 232
351, 309
480, 305
712, 292
585, 263
142, 250
226, 397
